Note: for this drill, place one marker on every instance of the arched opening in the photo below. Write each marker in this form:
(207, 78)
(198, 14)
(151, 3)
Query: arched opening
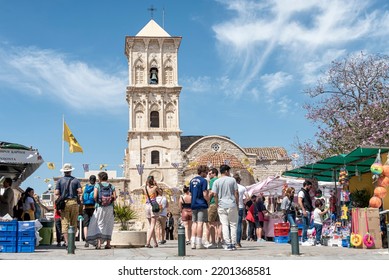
(154, 119)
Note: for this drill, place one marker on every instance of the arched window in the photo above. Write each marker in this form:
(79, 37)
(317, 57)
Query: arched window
(154, 119)
(154, 157)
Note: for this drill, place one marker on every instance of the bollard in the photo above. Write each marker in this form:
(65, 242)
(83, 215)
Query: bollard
(71, 237)
(294, 240)
(387, 233)
(181, 240)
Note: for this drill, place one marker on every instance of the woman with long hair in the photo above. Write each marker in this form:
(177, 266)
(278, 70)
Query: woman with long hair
(289, 207)
(185, 202)
(150, 192)
(28, 205)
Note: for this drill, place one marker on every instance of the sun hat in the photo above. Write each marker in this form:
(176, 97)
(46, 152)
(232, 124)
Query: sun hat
(67, 167)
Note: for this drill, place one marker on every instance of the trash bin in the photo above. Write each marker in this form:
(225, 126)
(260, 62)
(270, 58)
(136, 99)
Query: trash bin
(46, 232)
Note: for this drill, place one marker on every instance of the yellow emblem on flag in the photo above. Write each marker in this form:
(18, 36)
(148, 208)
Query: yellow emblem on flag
(51, 165)
(74, 146)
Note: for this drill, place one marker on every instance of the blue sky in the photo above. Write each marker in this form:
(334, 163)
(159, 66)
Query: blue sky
(243, 66)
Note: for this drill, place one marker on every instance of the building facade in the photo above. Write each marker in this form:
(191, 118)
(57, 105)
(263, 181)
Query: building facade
(156, 145)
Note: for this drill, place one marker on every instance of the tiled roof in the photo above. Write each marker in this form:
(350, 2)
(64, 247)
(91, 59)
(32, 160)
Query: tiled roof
(269, 153)
(215, 159)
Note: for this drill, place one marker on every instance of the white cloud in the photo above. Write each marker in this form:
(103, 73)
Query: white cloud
(48, 73)
(273, 82)
(299, 37)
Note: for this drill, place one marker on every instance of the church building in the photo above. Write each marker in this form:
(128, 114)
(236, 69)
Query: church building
(156, 144)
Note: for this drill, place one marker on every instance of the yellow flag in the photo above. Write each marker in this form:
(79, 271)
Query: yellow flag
(51, 165)
(74, 146)
(102, 166)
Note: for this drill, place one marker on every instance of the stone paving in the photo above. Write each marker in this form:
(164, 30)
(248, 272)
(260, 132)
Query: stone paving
(169, 251)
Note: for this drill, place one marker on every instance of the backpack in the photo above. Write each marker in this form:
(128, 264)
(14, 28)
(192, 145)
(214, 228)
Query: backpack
(88, 195)
(105, 195)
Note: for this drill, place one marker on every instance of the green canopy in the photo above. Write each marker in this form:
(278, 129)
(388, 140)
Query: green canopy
(356, 162)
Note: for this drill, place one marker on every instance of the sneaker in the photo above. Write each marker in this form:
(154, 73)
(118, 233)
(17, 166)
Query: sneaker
(233, 247)
(261, 240)
(187, 242)
(212, 246)
(59, 245)
(306, 243)
(224, 245)
(86, 245)
(220, 244)
(193, 246)
(228, 247)
(318, 245)
(200, 246)
(239, 245)
(163, 241)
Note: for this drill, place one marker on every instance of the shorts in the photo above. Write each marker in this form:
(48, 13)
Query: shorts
(149, 213)
(200, 215)
(186, 214)
(87, 214)
(213, 215)
(258, 224)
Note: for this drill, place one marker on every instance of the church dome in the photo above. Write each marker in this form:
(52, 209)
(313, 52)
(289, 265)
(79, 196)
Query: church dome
(215, 159)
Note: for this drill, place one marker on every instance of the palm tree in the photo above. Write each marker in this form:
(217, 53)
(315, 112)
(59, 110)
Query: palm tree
(124, 213)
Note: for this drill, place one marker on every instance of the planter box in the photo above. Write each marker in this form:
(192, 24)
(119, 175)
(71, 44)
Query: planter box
(128, 239)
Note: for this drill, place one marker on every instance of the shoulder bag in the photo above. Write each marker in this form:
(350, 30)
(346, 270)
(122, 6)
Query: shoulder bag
(60, 201)
(154, 204)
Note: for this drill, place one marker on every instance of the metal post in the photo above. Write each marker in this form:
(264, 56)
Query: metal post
(181, 240)
(294, 240)
(387, 234)
(71, 237)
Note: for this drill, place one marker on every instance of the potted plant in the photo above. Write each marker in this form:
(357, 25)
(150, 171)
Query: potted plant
(123, 214)
(360, 198)
(124, 237)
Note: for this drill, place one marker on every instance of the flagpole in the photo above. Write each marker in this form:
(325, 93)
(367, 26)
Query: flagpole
(63, 142)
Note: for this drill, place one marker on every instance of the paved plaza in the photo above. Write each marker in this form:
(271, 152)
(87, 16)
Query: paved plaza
(169, 251)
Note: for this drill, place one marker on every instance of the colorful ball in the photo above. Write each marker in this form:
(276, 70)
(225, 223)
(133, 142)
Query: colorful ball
(380, 192)
(375, 202)
(376, 168)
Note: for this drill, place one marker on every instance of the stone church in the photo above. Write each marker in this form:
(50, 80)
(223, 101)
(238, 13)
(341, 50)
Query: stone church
(156, 145)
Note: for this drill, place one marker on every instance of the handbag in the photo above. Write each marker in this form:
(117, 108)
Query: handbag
(154, 204)
(60, 201)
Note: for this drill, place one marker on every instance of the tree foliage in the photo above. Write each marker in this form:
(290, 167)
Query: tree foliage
(350, 107)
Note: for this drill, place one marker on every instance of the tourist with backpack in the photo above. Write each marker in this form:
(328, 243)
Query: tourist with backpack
(101, 223)
(88, 204)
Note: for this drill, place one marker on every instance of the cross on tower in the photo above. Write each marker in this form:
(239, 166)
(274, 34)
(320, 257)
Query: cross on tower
(152, 10)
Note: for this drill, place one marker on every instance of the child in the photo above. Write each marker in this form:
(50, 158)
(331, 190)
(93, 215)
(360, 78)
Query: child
(318, 220)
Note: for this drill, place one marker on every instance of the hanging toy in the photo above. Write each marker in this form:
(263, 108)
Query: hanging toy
(343, 175)
(376, 168)
(355, 238)
(344, 210)
(368, 239)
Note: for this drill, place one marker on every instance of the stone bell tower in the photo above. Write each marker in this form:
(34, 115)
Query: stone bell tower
(154, 146)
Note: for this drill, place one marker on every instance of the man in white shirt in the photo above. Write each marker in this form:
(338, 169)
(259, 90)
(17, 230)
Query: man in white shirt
(225, 190)
(242, 199)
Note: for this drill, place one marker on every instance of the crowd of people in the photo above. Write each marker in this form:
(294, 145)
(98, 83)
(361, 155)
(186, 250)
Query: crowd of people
(216, 208)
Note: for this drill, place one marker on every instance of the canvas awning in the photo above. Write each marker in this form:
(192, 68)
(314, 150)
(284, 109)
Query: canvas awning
(274, 186)
(356, 162)
(18, 162)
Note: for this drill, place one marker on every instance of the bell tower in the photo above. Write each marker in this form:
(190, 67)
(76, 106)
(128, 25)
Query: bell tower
(154, 146)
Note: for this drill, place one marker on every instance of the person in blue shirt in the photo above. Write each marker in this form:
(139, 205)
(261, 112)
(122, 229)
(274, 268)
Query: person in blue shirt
(199, 189)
